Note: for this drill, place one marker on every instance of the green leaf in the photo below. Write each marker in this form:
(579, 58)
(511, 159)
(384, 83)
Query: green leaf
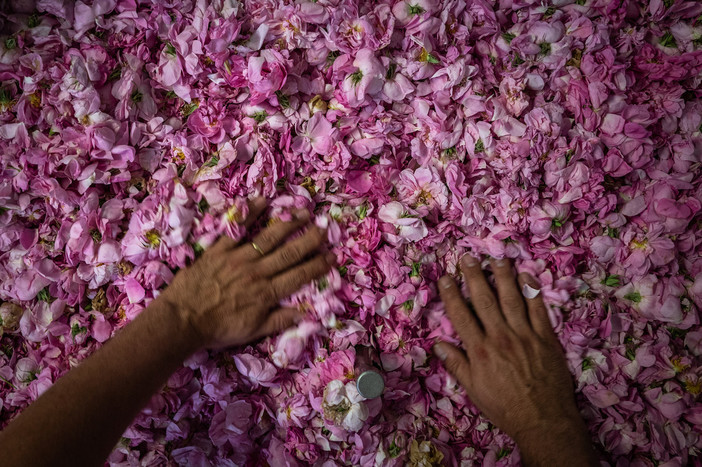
(614, 233)
(668, 40)
(137, 96)
(408, 305)
(96, 235)
(545, 48)
(115, 74)
(260, 117)
(283, 100)
(214, 160)
(322, 284)
(668, 3)
(433, 59)
(44, 295)
(611, 281)
(170, 49)
(203, 205)
(587, 364)
(633, 297)
(580, 2)
(676, 333)
(416, 270)
(517, 60)
(77, 329)
(569, 155)
(479, 146)
(343, 270)
(415, 10)
(10, 43)
(374, 159)
(181, 170)
(332, 56)
(556, 223)
(187, 109)
(549, 12)
(630, 354)
(392, 70)
(363, 211)
(33, 21)
(394, 450)
(198, 250)
(356, 77)
(508, 36)
(504, 452)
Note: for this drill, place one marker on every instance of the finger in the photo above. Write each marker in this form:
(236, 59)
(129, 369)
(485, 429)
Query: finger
(510, 297)
(538, 313)
(271, 237)
(455, 361)
(291, 253)
(256, 207)
(279, 320)
(463, 320)
(291, 280)
(481, 296)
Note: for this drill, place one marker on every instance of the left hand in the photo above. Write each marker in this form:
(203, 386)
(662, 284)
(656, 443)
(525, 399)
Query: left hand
(227, 295)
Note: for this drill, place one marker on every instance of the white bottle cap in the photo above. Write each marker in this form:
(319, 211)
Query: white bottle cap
(370, 384)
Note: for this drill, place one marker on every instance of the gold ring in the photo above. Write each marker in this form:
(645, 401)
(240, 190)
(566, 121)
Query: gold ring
(258, 248)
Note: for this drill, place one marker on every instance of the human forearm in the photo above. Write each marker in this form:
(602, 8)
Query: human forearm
(80, 418)
(565, 443)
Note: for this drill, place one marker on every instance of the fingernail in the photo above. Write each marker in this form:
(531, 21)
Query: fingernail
(301, 214)
(502, 262)
(469, 260)
(445, 282)
(440, 352)
(530, 292)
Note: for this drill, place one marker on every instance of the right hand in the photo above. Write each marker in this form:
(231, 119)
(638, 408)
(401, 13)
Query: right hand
(229, 296)
(513, 367)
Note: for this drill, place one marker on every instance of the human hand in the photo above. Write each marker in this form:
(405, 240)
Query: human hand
(513, 368)
(227, 295)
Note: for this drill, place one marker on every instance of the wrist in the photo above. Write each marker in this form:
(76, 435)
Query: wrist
(563, 441)
(177, 322)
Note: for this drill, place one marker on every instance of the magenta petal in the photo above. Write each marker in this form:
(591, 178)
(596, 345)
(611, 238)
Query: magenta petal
(135, 292)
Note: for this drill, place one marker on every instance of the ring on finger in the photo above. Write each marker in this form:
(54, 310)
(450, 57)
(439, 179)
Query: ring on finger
(258, 249)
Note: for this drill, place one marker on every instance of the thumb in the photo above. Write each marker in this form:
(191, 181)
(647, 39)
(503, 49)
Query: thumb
(455, 361)
(280, 320)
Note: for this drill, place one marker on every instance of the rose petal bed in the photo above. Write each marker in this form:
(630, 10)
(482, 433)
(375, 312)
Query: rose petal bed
(564, 135)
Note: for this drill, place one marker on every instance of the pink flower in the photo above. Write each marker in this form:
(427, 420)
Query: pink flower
(422, 189)
(344, 406)
(266, 74)
(406, 223)
(514, 97)
(367, 79)
(232, 420)
(258, 371)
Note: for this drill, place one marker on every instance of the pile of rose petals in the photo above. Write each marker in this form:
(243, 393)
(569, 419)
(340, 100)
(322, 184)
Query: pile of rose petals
(565, 135)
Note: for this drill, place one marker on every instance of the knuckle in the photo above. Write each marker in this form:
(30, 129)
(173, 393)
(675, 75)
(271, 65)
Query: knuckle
(289, 255)
(453, 365)
(483, 300)
(512, 302)
(462, 321)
